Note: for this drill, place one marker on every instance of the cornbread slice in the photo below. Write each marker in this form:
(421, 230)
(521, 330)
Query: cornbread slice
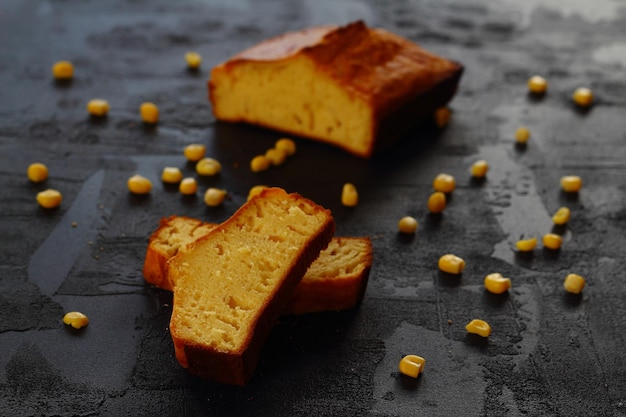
(173, 234)
(351, 86)
(232, 284)
(335, 281)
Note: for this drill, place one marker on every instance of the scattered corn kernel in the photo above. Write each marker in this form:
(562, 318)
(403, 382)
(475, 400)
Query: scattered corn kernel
(407, 225)
(276, 156)
(537, 84)
(552, 241)
(437, 202)
(412, 365)
(171, 175)
(444, 183)
(479, 169)
(75, 319)
(98, 107)
(442, 117)
(496, 283)
(213, 197)
(256, 190)
(582, 96)
(194, 152)
(208, 166)
(526, 245)
(574, 283)
(139, 185)
(571, 183)
(522, 135)
(451, 264)
(287, 145)
(561, 216)
(349, 195)
(149, 112)
(193, 60)
(63, 70)
(49, 198)
(260, 163)
(37, 172)
(479, 327)
(188, 186)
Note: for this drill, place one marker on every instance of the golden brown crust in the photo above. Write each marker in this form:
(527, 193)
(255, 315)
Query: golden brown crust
(237, 365)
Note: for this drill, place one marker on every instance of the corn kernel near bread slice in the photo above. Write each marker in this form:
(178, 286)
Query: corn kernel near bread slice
(233, 284)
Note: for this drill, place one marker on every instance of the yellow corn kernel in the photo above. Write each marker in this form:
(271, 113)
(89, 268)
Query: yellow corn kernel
(139, 185)
(571, 183)
(193, 60)
(437, 202)
(574, 283)
(194, 152)
(349, 195)
(451, 264)
(171, 175)
(188, 186)
(256, 190)
(37, 172)
(522, 135)
(526, 245)
(479, 169)
(407, 225)
(537, 84)
(260, 163)
(276, 156)
(444, 183)
(287, 145)
(208, 166)
(479, 327)
(75, 319)
(442, 117)
(149, 112)
(49, 198)
(496, 283)
(552, 241)
(213, 197)
(63, 70)
(561, 216)
(98, 107)
(582, 96)
(412, 365)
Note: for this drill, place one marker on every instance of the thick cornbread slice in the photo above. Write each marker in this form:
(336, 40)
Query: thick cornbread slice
(232, 284)
(335, 281)
(352, 86)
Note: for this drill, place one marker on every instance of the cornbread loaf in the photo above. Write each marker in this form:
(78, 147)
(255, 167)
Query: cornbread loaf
(233, 283)
(335, 281)
(351, 86)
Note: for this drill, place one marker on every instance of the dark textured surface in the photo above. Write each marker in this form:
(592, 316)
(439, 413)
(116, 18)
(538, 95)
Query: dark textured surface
(549, 354)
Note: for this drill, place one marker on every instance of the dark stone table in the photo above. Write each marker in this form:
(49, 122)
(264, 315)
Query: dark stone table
(549, 354)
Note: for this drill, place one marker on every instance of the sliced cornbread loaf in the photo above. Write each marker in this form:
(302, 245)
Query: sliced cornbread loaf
(173, 234)
(335, 281)
(352, 86)
(233, 283)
